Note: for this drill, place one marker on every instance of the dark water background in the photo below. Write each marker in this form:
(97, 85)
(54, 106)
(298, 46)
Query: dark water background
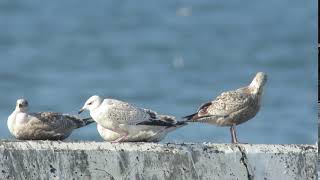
(164, 55)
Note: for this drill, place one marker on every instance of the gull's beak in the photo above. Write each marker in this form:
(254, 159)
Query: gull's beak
(80, 111)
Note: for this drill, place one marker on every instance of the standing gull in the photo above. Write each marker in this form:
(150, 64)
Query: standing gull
(42, 125)
(125, 122)
(232, 107)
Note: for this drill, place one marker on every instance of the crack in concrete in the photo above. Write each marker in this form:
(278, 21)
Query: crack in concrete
(110, 175)
(190, 155)
(193, 164)
(245, 162)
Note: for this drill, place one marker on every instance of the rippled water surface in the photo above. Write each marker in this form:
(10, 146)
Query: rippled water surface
(164, 55)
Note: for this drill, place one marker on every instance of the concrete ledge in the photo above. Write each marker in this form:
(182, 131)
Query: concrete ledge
(102, 160)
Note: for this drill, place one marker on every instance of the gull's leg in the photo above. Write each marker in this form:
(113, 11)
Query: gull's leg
(123, 136)
(234, 139)
(119, 139)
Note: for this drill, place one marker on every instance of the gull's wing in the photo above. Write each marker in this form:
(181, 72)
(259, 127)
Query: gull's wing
(52, 121)
(163, 120)
(125, 113)
(230, 101)
(46, 126)
(225, 104)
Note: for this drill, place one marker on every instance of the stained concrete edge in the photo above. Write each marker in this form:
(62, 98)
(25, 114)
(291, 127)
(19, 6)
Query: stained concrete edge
(96, 160)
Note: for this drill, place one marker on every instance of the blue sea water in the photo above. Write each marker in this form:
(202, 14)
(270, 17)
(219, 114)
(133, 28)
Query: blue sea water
(169, 56)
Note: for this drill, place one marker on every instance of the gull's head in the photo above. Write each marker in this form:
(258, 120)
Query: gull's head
(259, 81)
(92, 103)
(22, 105)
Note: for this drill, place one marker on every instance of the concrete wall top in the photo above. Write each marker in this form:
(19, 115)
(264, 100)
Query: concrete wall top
(103, 160)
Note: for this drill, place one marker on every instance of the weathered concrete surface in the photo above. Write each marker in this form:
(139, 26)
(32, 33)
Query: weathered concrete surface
(102, 160)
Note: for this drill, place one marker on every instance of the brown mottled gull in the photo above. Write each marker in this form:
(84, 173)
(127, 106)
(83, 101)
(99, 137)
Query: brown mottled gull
(131, 123)
(42, 125)
(232, 107)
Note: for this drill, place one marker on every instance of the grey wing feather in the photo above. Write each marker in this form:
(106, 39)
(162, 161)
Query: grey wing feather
(126, 113)
(129, 114)
(160, 120)
(172, 120)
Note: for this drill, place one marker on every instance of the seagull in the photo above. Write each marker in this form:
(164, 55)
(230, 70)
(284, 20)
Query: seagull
(42, 125)
(232, 107)
(128, 122)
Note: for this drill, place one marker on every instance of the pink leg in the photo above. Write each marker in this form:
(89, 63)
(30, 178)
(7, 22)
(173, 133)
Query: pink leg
(234, 139)
(122, 137)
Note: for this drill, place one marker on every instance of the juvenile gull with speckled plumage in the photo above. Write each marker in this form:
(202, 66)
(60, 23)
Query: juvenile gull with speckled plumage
(42, 125)
(232, 107)
(125, 122)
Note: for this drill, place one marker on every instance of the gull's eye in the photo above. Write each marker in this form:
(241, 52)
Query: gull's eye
(20, 106)
(89, 103)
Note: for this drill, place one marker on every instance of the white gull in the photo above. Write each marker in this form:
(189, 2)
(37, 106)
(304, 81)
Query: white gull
(130, 123)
